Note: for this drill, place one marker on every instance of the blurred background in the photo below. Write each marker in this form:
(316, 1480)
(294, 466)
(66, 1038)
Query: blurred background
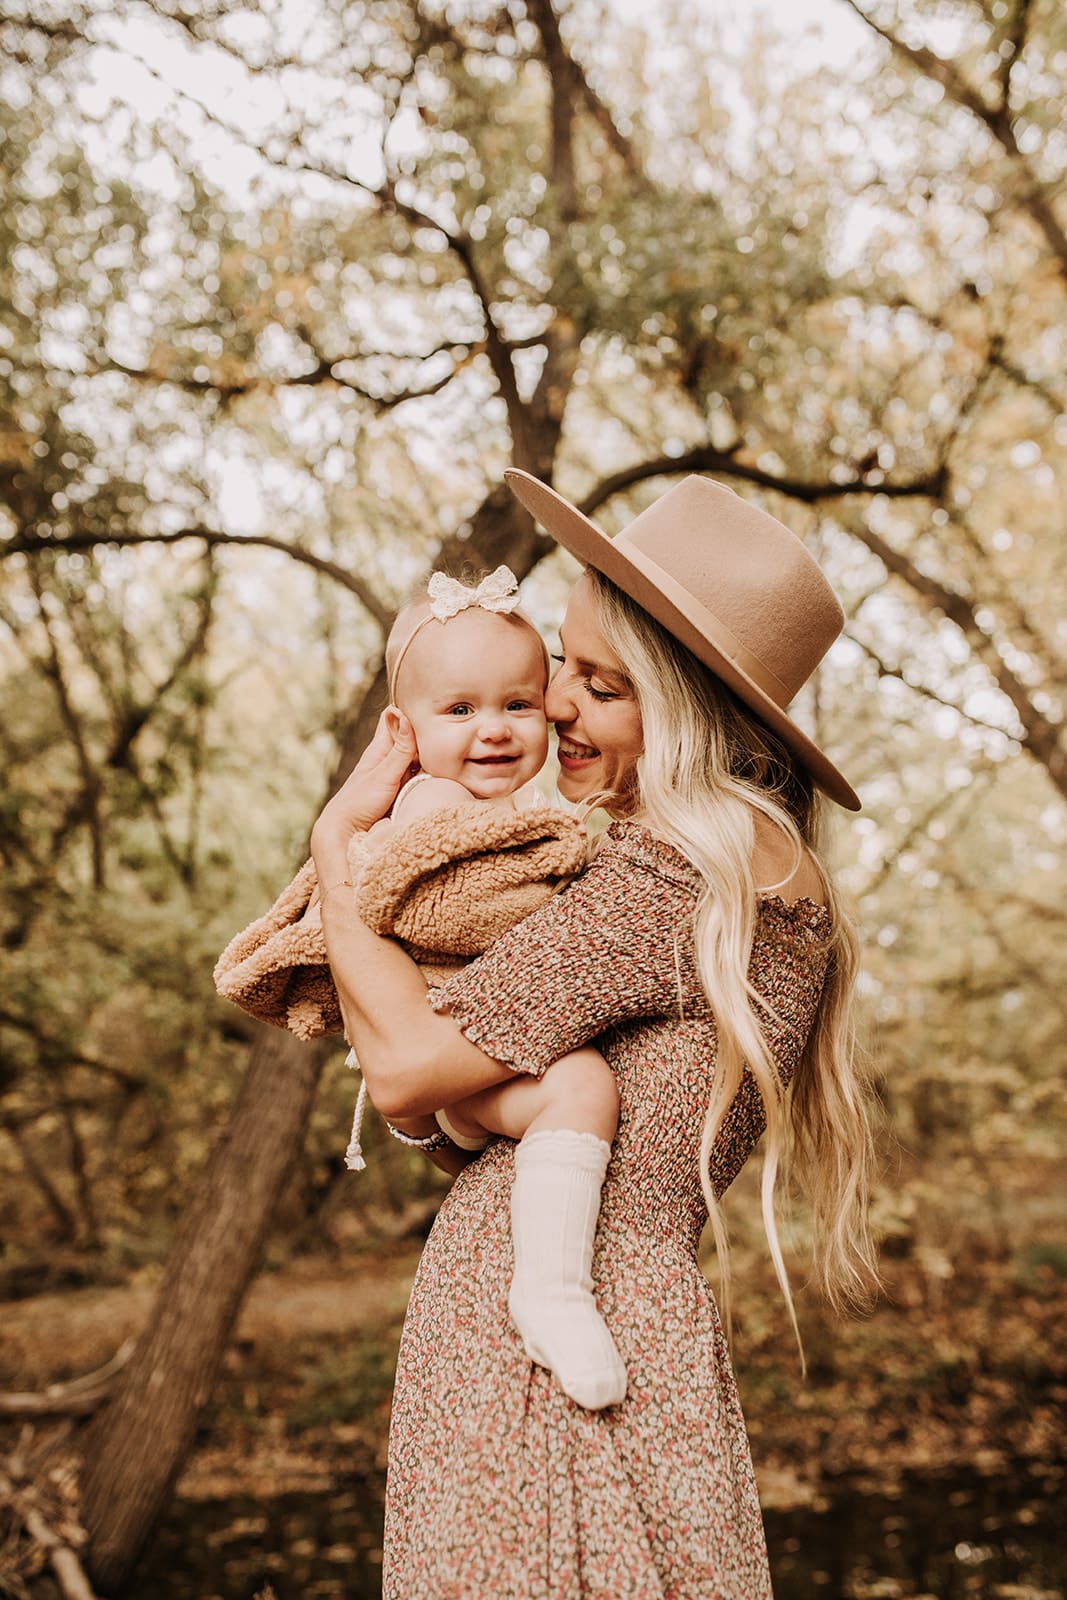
(284, 288)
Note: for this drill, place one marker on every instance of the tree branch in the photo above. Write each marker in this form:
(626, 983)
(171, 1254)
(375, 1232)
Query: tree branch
(1041, 736)
(1011, 610)
(995, 356)
(133, 716)
(524, 453)
(922, 690)
(1015, 36)
(324, 373)
(55, 32)
(563, 82)
(570, 86)
(386, 198)
(1031, 193)
(705, 458)
(990, 909)
(85, 805)
(917, 829)
(77, 1397)
(88, 539)
(194, 27)
(1056, 403)
(68, 1227)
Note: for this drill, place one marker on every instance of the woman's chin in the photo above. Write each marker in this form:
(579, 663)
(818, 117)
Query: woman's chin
(575, 786)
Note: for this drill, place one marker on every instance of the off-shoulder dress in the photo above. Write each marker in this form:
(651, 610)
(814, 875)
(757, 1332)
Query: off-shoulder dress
(500, 1487)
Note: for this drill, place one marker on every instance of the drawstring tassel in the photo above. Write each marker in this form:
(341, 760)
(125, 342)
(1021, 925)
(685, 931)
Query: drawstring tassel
(354, 1154)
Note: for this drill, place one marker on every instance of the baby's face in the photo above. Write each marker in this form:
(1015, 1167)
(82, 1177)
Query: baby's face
(473, 689)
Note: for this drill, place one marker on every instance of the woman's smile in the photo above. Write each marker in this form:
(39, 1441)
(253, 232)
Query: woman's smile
(572, 755)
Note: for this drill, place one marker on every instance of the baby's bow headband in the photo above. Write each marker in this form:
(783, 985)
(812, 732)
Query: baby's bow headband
(498, 592)
(448, 597)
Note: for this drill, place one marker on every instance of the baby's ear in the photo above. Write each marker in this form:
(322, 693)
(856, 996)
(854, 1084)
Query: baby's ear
(400, 729)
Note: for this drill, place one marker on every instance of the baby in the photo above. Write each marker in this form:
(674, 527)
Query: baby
(468, 672)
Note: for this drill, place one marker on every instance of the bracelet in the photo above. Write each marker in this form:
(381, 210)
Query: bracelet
(432, 1141)
(344, 884)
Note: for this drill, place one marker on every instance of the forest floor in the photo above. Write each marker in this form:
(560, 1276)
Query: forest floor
(922, 1457)
(961, 1365)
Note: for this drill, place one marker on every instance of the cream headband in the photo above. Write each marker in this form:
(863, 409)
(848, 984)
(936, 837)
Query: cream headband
(447, 597)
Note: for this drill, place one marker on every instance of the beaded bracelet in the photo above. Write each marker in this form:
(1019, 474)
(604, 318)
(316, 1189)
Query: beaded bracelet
(431, 1141)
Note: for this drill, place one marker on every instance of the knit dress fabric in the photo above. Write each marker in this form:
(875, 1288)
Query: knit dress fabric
(500, 1487)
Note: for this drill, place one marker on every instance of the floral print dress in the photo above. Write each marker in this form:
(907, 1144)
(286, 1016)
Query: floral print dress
(500, 1487)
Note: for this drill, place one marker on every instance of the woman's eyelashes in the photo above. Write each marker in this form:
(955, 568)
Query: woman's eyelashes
(588, 685)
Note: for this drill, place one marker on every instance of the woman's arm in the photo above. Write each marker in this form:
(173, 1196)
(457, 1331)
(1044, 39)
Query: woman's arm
(412, 1059)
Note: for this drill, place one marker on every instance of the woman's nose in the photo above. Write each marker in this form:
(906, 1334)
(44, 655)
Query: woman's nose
(559, 699)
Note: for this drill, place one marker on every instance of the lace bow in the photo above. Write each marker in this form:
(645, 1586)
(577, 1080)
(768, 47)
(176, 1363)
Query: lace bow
(448, 597)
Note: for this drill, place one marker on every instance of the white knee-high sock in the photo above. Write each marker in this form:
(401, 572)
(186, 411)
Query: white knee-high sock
(554, 1206)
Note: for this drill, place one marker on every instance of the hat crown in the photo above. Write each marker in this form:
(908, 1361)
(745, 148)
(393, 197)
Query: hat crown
(747, 573)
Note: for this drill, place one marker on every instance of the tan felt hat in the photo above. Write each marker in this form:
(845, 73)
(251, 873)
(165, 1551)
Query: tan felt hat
(729, 581)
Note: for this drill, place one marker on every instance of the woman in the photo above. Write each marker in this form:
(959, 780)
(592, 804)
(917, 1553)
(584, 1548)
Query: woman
(704, 953)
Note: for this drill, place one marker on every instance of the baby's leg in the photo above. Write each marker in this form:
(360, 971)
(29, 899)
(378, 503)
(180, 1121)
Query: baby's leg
(564, 1122)
(578, 1092)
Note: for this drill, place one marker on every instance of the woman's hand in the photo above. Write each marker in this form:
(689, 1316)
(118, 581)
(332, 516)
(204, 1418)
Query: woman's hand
(370, 788)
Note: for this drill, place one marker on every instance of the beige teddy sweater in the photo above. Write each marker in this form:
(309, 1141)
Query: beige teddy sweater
(446, 885)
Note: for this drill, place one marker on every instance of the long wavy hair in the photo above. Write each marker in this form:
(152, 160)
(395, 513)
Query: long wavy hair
(710, 767)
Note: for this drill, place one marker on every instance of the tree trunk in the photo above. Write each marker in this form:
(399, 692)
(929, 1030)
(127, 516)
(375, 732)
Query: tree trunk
(137, 1446)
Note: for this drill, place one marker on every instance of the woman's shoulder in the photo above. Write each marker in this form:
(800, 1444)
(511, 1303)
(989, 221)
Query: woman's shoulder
(792, 896)
(776, 868)
(802, 921)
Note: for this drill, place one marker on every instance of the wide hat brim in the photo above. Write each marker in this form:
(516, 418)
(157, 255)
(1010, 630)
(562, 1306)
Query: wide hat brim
(680, 613)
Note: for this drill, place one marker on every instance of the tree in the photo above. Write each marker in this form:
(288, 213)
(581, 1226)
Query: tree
(514, 235)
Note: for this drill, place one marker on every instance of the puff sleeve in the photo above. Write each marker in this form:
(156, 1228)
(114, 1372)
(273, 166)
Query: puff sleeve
(601, 954)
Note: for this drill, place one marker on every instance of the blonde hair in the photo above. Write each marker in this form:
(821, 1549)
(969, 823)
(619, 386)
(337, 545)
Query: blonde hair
(708, 769)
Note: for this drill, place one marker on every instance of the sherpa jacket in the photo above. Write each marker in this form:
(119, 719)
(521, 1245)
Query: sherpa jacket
(446, 885)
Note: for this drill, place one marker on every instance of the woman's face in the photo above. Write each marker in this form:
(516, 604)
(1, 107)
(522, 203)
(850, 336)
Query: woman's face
(592, 703)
